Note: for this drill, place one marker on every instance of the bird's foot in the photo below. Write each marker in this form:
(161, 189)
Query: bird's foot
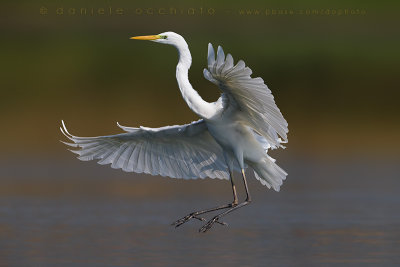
(210, 223)
(193, 215)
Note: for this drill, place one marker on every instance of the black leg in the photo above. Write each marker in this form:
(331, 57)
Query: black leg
(211, 222)
(195, 215)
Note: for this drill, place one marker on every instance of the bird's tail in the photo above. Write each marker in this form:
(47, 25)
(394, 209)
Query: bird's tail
(269, 173)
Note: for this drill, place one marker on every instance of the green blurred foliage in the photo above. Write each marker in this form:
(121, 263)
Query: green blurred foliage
(333, 77)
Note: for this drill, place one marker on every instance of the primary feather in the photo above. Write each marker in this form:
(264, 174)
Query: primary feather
(181, 151)
(249, 97)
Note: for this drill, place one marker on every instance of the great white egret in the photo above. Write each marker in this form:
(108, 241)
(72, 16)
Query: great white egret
(234, 132)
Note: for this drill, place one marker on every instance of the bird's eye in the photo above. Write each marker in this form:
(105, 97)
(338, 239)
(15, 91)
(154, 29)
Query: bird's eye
(163, 37)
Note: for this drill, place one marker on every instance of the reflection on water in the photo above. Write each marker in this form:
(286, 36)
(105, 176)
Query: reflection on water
(312, 222)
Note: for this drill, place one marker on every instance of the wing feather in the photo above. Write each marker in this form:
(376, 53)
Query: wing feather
(127, 157)
(249, 97)
(180, 151)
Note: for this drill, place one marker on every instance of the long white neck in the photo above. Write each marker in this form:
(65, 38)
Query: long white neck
(199, 106)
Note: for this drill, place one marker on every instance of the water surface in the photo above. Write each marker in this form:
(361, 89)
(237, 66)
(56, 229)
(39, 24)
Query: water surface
(326, 214)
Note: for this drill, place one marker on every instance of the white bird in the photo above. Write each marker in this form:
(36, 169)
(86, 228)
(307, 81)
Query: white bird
(234, 132)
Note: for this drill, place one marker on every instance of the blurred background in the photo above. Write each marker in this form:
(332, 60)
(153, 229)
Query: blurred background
(332, 67)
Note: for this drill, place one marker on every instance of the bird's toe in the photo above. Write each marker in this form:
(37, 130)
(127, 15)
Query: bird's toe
(210, 223)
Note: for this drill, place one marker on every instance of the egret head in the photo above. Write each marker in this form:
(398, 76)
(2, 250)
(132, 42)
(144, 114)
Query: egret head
(170, 38)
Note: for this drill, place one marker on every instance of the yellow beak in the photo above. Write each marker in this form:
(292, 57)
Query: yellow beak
(147, 37)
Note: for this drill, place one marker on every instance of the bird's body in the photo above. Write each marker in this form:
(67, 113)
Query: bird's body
(236, 139)
(235, 131)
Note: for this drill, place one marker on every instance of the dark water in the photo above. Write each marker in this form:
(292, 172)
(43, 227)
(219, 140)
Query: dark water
(327, 214)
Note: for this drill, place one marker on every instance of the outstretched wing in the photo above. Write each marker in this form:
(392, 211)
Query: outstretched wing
(249, 97)
(181, 151)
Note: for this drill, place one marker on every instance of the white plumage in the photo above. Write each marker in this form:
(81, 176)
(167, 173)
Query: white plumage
(235, 131)
(180, 151)
(249, 95)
